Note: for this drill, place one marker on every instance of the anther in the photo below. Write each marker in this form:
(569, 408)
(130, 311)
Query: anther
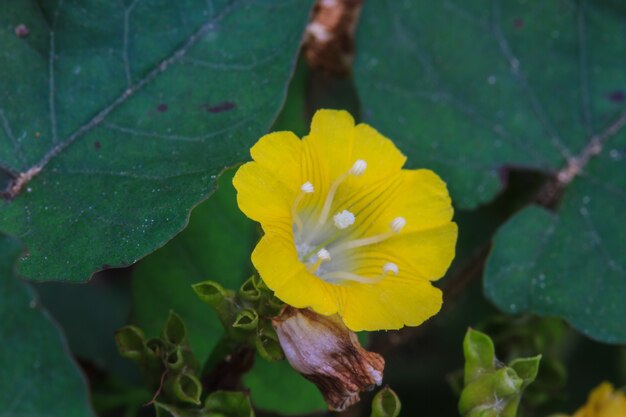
(390, 267)
(398, 224)
(307, 188)
(344, 219)
(358, 168)
(323, 254)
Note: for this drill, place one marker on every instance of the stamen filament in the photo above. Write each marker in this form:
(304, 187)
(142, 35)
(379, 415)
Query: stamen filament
(363, 242)
(396, 226)
(306, 188)
(335, 276)
(329, 198)
(357, 169)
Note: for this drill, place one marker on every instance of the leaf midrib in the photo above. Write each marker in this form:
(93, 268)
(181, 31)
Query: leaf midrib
(21, 179)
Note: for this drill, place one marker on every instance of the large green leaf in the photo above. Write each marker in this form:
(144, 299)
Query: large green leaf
(118, 116)
(216, 245)
(468, 88)
(37, 376)
(276, 386)
(96, 310)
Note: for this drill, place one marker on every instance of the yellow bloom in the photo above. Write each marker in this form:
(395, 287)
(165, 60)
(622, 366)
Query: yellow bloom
(347, 230)
(604, 401)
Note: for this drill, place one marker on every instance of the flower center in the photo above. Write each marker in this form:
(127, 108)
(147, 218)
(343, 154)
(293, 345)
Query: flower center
(324, 245)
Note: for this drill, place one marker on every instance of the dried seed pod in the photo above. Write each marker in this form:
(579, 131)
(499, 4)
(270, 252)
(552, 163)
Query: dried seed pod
(328, 354)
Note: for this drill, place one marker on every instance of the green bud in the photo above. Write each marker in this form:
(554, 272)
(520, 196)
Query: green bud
(210, 292)
(156, 347)
(175, 359)
(260, 284)
(247, 319)
(492, 390)
(186, 388)
(174, 331)
(130, 342)
(480, 354)
(489, 390)
(267, 343)
(231, 404)
(386, 404)
(249, 291)
(222, 301)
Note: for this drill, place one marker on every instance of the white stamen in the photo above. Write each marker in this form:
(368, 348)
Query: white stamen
(344, 219)
(307, 187)
(358, 168)
(398, 224)
(390, 267)
(323, 255)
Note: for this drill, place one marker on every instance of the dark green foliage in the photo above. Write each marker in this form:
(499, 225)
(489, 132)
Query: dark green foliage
(130, 110)
(38, 376)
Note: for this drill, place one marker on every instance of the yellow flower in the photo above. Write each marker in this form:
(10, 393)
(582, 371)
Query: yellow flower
(347, 230)
(604, 401)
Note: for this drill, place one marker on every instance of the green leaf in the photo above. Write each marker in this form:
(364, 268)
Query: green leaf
(216, 245)
(466, 88)
(526, 368)
(38, 376)
(568, 264)
(275, 386)
(116, 117)
(97, 309)
(187, 388)
(536, 85)
(386, 404)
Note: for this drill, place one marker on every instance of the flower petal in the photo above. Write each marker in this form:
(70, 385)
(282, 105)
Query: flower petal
(426, 254)
(280, 153)
(390, 304)
(422, 200)
(276, 260)
(382, 157)
(419, 196)
(330, 143)
(261, 196)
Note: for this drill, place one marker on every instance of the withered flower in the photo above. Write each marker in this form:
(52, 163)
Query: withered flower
(328, 354)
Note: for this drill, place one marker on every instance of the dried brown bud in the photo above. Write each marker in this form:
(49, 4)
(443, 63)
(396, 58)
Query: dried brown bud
(329, 39)
(328, 354)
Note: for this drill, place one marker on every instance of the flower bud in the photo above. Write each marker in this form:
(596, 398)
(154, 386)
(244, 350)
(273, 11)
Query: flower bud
(328, 354)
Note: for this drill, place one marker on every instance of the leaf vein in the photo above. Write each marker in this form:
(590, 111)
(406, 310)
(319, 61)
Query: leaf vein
(522, 79)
